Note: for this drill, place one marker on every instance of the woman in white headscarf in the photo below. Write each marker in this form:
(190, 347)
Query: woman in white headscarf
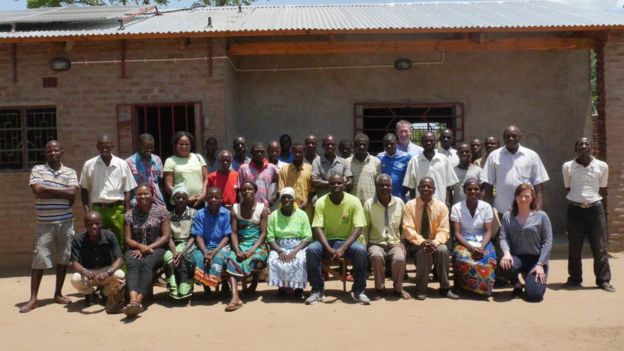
(288, 234)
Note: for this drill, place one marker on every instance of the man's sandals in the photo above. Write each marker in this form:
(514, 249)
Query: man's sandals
(231, 307)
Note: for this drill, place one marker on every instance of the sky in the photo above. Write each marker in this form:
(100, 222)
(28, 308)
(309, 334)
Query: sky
(610, 5)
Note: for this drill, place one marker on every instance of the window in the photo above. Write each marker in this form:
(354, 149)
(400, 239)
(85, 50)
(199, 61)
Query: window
(162, 120)
(24, 133)
(375, 120)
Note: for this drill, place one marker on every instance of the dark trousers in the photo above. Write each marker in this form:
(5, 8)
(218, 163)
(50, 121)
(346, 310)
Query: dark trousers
(523, 264)
(356, 254)
(587, 222)
(141, 272)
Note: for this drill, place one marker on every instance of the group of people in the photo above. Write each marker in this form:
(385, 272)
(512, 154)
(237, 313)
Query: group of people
(226, 218)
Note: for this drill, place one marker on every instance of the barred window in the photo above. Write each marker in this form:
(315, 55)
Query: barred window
(24, 133)
(377, 119)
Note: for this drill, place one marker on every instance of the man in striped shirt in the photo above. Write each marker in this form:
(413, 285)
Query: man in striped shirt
(54, 186)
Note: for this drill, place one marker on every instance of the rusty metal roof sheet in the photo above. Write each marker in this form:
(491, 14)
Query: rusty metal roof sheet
(427, 16)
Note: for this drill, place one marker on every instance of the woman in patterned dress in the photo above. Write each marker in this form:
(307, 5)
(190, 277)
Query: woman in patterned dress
(248, 254)
(474, 255)
(288, 235)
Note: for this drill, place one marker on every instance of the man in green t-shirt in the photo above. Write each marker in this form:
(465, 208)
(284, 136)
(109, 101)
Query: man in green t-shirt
(338, 222)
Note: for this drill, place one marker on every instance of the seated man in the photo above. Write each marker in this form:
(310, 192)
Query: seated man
(426, 226)
(383, 215)
(338, 222)
(96, 258)
(211, 229)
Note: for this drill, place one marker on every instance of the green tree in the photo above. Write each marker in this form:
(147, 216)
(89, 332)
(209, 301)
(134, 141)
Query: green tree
(31, 4)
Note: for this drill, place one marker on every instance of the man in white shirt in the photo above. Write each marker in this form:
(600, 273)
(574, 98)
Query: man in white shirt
(106, 181)
(509, 166)
(403, 132)
(446, 139)
(430, 164)
(585, 179)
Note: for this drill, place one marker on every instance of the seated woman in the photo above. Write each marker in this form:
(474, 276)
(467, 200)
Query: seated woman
(248, 254)
(178, 260)
(146, 233)
(474, 255)
(526, 241)
(288, 234)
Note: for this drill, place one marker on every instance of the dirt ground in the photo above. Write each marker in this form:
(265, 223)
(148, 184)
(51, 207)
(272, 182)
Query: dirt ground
(582, 319)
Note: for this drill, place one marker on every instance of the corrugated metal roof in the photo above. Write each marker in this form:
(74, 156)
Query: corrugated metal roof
(434, 16)
(64, 14)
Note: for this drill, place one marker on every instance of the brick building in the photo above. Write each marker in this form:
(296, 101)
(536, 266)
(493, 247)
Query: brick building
(474, 67)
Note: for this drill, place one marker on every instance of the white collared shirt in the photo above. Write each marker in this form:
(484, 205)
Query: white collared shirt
(106, 184)
(472, 228)
(439, 169)
(585, 182)
(505, 171)
(411, 149)
(451, 154)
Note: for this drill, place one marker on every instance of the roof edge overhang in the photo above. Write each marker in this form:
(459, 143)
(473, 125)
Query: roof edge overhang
(301, 32)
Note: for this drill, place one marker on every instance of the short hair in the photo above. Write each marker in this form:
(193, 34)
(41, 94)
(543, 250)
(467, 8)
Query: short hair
(248, 182)
(257, 144)
(402, 122)
(361, 136)
(146, 137)
(389, 137)
(382, 175)
(471, 180)
(224, 151)
(179, 135)
(211, 139)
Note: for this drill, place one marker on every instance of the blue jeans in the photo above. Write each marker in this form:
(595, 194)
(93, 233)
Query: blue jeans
(523, 264)
(356, 253)
(588, 222)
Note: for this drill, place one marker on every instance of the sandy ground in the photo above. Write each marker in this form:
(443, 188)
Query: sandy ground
(582, 319)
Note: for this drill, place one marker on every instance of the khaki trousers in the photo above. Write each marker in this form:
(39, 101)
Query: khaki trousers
(88, 286)
(378, 254)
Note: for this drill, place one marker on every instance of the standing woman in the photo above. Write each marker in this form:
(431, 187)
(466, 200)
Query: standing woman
(288, 234)
(248, 253)
(474, 255)
(526, 241)
(187, 168)
(146, 233)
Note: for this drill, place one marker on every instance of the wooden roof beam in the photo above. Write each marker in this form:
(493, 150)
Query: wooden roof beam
(368, 47)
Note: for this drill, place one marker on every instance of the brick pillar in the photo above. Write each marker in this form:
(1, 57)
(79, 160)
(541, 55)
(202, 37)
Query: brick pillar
(614, 118)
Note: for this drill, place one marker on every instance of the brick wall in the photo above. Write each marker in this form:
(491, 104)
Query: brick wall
(86, 100)
(614, 113)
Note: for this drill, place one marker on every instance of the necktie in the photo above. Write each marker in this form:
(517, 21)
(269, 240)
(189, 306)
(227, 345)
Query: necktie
(424, 223)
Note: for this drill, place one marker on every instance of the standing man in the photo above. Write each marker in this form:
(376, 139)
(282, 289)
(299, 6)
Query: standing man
(298, 175)
(147, 167)
(274, 151)
(464, 170)
(226, 179)
(345, 148)
(105, 182)
(426, 226)
(96, 259)
(431, 164)
(394, 163)
(240, 153)
(446, 140)
(310, 149)
(510, 166)
(384, 214)
(476, 149)
(285, 143)
(403, 131)
(338, 222)
(328, 164)
(491, 144)
(262, 173)
(585, 179)
(54, 187)
(365, 168)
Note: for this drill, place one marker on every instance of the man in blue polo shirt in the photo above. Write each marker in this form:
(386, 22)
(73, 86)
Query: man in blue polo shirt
(394, 163)
(211, 229)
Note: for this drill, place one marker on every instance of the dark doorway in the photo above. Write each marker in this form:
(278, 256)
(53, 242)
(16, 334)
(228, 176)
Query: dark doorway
(162, 121)
(375, 120)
